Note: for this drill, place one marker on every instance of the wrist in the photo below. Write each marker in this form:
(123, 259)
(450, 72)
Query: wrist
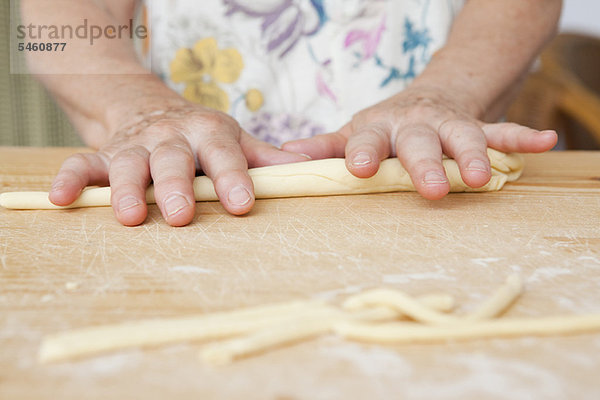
(440, 96)
(447, 78)
(137, 98)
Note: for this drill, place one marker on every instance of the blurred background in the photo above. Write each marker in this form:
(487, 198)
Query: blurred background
(562, 92)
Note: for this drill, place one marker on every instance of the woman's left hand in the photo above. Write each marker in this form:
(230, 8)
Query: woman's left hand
(419, 125)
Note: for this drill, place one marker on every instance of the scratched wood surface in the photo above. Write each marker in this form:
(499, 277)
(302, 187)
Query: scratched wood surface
(68, 269)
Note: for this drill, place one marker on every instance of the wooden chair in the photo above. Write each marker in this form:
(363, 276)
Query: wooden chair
(564, 93)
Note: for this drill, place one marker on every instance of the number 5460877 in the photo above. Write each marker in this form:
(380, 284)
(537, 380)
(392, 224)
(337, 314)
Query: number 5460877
(50, 46)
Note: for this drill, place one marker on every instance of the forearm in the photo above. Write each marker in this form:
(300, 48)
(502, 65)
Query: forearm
(83, 78)
(491, 46)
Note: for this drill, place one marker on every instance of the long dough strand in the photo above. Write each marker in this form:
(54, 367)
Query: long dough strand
(405, 332)
(144, 333)
(309, 178)
(296, 330)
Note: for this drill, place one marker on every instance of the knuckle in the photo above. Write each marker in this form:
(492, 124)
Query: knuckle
(172, 159)
(337, 140)
(413, 136)
(170, 150)
(122, 189)
(217, 122)
(455, 132)
(451, 132)
(169, 181)
(159, 131)
(220, 149)
(77, 161)
(425, 163)
(379, 131)
(131, 153)
(214, 118)
(226, 177)
(470, 154)
(76, 168)
(423, 110)
(160, 125)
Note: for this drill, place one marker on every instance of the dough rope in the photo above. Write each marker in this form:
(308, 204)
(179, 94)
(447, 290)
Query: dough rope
(309, 178)
(406, 332)
(300, 329)
(154, 332)
(399, 301)
(500, 300)
(371, 317)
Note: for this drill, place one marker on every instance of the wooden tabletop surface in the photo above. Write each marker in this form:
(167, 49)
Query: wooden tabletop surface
(61, 270)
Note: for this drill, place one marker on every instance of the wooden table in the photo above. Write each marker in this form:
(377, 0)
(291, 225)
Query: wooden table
(67, 269)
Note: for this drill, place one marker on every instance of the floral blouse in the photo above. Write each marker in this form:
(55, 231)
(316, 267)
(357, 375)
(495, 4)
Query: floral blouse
(289, 69)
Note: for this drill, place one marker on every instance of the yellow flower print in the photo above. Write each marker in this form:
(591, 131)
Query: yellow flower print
(209, 94)
(202, 67)
(254, 100)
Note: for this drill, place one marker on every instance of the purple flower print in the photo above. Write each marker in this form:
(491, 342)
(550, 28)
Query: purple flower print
(369, 38)
(323, 89)
(281, 127)
(284, 22)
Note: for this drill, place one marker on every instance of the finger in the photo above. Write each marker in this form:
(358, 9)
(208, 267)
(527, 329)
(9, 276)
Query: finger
(419, 149)
(222, 160)
(129, 177)
(173, 168)
(510, 137)
(259, 153)
(328, 145)
(77, 172)
(465, 142)
(365, 148)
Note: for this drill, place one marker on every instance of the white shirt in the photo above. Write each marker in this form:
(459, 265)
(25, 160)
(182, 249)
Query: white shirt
(287, 69)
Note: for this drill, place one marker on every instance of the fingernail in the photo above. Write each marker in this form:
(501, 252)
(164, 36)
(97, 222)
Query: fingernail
(433, 177)
(128, 202)
(477, 165)
(239, 196)
(57, 186)
(361, 159)
(175, 203)
(305, 155)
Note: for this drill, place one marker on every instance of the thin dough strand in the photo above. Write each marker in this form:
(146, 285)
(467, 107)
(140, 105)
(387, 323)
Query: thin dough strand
(500, 300)
(399, 301)
(396, 333)
(153, 332)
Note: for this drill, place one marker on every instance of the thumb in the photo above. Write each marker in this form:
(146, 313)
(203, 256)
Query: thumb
(327, 145)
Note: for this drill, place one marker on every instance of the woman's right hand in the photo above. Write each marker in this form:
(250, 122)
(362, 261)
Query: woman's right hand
(167, 147)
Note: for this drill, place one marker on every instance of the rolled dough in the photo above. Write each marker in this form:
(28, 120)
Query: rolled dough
(309, 178)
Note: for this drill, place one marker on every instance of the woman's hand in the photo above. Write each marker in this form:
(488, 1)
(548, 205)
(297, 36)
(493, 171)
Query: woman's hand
(418, 126)
(167, 147)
